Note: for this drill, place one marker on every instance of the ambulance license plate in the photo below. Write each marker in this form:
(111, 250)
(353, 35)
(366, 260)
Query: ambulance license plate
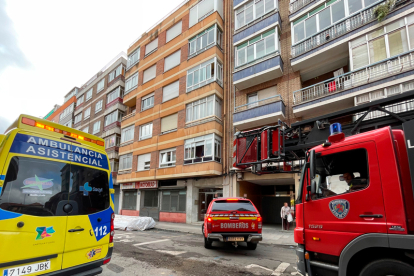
(27, 269)
(235, 239)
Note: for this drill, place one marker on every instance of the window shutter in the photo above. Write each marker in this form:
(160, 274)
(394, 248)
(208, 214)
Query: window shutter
(205, 7)
(193, 16)
(174, 31)
(170, 91)
(151, 46)
(267, 93)
(142, 159)
(169, 123)
(149, 74)
(172, 60)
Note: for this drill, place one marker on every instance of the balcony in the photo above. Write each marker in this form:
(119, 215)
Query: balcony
(259, 113)
(114, 105)
(337, 93)
(298, 4)
(271, 19)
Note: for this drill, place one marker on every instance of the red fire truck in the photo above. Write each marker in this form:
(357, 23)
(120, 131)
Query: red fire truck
(355, 204)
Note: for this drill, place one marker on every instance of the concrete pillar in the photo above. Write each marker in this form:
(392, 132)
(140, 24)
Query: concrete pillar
(121, 198)
(191, 203)
(226, 186)
(236, 187)
(138, 200)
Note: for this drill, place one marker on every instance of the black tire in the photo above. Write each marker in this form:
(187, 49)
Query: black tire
(207, 243)
(251, 245)
(387, 267)
(202, 229)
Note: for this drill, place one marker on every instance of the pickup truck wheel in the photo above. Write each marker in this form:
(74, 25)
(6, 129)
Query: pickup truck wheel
(207, 243)
(387, 267)
(202, 229)
(251, 245)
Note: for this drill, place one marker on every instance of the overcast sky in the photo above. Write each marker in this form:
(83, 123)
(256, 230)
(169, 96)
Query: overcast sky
(47, 47)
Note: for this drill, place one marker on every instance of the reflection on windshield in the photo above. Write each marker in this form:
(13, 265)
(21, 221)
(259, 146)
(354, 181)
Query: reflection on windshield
(223, 206)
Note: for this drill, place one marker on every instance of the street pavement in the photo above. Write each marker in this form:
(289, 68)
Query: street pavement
(160, 252)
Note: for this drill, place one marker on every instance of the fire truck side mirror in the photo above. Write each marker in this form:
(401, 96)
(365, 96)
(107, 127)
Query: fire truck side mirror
(312, 164)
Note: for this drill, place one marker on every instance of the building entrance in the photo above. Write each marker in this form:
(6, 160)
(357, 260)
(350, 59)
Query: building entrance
(205, 196)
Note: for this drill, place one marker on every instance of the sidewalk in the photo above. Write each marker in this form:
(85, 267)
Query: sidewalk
(272, 234)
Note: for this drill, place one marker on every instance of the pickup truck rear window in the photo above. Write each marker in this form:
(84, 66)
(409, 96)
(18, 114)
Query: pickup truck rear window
(223, 205)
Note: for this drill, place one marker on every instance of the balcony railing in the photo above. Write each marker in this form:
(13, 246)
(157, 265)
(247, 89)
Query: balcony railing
(338, 29)
(298, 4)
(262, 102)
(371, 73)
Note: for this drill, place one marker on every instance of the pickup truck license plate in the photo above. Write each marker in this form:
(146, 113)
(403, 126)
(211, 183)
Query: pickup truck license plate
(27, 269)
(235, 239)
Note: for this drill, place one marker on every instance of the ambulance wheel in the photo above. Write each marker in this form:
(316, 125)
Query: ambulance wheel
(207, 243)
(387, 267)
(251, 245)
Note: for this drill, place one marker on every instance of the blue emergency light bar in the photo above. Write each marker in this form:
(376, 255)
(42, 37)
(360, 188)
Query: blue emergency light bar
(335, 128)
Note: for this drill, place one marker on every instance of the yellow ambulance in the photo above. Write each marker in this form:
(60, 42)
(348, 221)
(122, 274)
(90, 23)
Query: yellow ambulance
(56, 200)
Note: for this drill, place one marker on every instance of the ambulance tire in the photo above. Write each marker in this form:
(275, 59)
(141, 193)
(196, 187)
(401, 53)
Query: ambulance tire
(387, 267)
(251, 245)
(207, 243)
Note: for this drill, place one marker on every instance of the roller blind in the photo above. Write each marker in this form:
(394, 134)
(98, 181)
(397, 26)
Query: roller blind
(141, 161)
(172, 60)
(149, 74)
(170, 91)
(169, 123)
(151, 46)
(174, 31)
(267, 93)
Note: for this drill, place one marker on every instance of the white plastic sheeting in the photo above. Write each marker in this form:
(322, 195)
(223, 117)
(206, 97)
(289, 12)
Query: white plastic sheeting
(130, 223)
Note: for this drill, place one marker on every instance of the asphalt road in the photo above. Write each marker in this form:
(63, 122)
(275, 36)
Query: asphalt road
(157, 252)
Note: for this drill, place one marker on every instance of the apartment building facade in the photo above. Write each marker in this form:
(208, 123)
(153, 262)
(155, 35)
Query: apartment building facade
(171, 152)
(64, 114)
(99, 109)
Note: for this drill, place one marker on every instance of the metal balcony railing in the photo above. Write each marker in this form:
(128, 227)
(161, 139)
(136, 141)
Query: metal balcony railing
(338, 29)
(298, 4)
(262, 102)
(374, 72)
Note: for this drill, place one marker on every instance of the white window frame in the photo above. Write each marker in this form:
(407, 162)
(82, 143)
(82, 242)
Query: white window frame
(114, 94)
(116, 72)
(190, 146)
(133, 58)
(115, 116)
(141, 137)
(116, 138)
(88, 94)
(86, 129)
(243, 8)
(195, 17)
(124, 161)
(96, 127)
(177, 26)
(80, 100)
(68, 110)
(173, 152)
(87, 113)
(204, 67)
(131, 83)
(202, 104)
(148, 98)
(100, 86)
(98, 106)
(151, 47)
(127, 132)
(195, 44)
(146, 162)
(78, 118)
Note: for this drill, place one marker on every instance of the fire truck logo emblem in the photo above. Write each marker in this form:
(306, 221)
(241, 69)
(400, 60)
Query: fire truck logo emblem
(339, 208)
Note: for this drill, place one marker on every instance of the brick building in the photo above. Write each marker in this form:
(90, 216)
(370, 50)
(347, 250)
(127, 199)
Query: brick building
(64, 114)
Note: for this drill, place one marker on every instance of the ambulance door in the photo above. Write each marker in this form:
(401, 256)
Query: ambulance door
(88, 227)
(32, 221)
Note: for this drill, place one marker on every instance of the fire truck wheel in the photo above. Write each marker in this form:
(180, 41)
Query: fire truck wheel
(387, 267)
(251, 245)
(207, 243)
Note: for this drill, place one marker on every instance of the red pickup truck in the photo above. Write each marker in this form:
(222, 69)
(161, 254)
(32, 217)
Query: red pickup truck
(232, 220)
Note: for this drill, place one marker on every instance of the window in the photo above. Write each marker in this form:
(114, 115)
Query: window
(145, 131)
(167, 158)
(169, 123)
(203, 108)
(131, 83)
(170, 91)
(253, 10)
(129, 200)
(150, 73)
(240, 205)
(257, 47)
(114, 165)
(96, 127)
(127, 134)
(252, 100)
(100, 86)
(125, 162)
(173, 201)
(80, 100)
(98, 106)
(200, 149)
(113, 117)
(86, 129)
(89, 94)
(204, 73)
(144, 162)
(150, 198)
(133, 58)
(115, 94)
(118, 71)
(205, 39)
(68, 110)
(68, 124)
(203, 9)
(172, 61)
(147, 102)
(78, 118)
(174, 31)
(70, 95)
(112, 141)
(87, 113)
(151, 47)
(342, 172)
(385, 42)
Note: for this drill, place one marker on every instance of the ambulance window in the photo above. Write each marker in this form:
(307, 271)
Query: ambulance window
(90, 189)
(341, 173)
(224, 205)
(34, 186)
